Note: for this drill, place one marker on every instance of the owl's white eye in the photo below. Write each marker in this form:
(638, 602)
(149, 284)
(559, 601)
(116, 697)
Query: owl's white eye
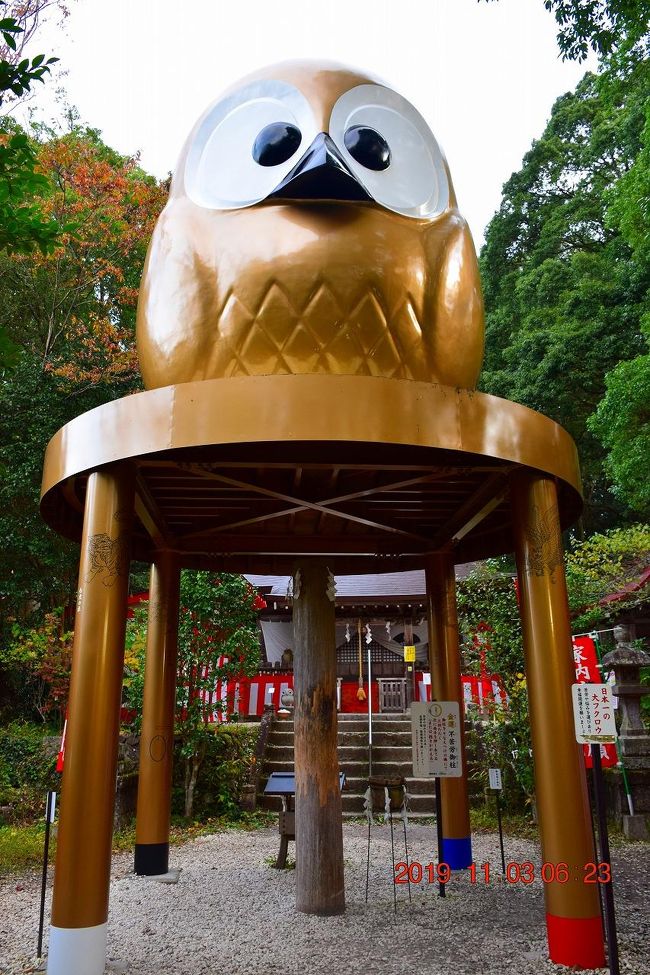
(246, 144)
(391, 151)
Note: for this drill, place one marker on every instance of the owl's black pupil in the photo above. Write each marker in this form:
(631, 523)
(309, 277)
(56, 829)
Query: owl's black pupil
(368, 147)
(276, 143)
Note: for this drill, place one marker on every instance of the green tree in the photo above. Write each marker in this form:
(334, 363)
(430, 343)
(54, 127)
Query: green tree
(73, 308)
(622, 423)
(488, 596)
(604, 564)
(23, 227)
(38, 570)
(217, 640)
(217, 620)
(565, 293)
(602, 25)
(70, 316)
(18, 24)
(622, 419)
(36, 662)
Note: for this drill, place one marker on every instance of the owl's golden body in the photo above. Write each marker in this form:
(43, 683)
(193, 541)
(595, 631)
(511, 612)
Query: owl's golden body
(347, 288)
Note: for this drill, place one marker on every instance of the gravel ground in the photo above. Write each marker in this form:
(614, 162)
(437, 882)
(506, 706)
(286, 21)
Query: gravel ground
(231, 912)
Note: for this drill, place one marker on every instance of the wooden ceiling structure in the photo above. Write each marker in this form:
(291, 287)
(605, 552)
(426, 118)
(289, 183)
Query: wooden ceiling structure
(227, 485)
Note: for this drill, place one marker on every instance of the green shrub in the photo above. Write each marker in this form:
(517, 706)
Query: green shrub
(27, 769)
(22, 846)
(224, 771)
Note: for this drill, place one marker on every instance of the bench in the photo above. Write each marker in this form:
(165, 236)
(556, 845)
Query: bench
(283, 784)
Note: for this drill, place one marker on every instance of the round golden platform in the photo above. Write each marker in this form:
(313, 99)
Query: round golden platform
(245, 474)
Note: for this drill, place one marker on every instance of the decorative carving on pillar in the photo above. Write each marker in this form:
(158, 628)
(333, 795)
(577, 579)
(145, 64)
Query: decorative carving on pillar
(544, 551)
(109, 558)
(295, 584)
(331, 587)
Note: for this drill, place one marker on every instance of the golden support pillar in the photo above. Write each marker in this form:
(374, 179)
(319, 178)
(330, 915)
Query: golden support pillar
(157, 734)
(573, 920)
(319, 833)
(446, 685)
(77, 943)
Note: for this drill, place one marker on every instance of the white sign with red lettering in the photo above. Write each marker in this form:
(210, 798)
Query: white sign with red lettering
(435, 727)
(593, 713)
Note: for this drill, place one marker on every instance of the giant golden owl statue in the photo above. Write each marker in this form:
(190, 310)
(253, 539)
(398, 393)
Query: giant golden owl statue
(312, 227)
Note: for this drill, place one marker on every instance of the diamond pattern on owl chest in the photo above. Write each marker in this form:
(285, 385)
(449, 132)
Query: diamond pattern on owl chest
(359, 333)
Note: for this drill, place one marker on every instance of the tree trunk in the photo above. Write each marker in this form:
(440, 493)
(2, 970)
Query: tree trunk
(193, 765)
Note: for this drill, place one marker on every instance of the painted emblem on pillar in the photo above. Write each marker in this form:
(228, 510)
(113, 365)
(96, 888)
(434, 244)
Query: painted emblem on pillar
(544, 538)
(312, 227)
(157, 748)
(108, 557)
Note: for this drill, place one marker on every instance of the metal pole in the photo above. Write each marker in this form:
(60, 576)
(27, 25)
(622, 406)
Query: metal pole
(441, 886)
(392, 852)
(601, 813)
(406, 846)
(368, 863)
(591, 785)
(48, 818)
(369, 711)
(503, 856)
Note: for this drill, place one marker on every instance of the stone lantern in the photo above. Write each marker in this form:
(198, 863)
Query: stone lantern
(626, 661)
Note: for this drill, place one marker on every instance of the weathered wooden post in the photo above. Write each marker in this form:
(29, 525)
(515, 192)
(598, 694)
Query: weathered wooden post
(319, 836)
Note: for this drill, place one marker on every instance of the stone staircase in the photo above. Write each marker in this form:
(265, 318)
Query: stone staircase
(391, 755)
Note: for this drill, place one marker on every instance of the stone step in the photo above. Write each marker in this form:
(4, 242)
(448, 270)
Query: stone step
(355, 723)
(404, 716)
(348, 753)
(378, 737)
(350, 738)
(387, 767)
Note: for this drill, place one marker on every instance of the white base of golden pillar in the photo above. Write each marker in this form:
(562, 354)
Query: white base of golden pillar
(77, 951)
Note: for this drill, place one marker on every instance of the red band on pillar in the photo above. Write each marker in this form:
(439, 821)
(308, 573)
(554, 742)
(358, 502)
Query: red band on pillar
(576, 941)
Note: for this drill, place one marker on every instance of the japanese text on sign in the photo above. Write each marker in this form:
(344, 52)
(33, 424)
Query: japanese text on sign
(409, 654)
(435, 728)
(495, 778)
(593, 713)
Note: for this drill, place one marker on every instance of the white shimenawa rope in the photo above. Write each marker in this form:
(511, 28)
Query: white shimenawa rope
(386, 804)
(405, 805)
(367, 804)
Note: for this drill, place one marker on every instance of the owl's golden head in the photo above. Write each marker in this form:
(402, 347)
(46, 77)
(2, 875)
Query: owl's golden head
(312, 227)
(309, 131)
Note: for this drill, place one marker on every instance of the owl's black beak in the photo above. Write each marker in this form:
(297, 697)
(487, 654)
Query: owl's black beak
(321, 174)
